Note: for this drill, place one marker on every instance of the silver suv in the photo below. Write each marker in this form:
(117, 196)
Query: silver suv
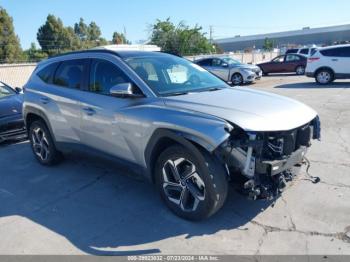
(185, 129)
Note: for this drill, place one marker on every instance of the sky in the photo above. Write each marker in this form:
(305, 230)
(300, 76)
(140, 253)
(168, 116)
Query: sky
(227, 17)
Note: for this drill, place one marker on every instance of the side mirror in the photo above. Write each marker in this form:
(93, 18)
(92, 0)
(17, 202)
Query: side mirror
(124, 90)
(224, 64)
(18, 90)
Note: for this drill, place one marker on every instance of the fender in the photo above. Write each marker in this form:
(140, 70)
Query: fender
(33, 110)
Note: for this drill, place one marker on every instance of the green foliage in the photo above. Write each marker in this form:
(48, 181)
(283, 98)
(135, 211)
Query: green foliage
(119, 39)
(268, 44)
(10, 49)
(33, 54)
(180, 39)
(55, 38)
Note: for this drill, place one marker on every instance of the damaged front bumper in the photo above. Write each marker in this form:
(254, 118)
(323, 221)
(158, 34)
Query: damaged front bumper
(266, 159)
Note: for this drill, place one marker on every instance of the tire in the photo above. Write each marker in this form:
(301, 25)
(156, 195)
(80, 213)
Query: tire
(236, 79)
(198, 196)
(42, 144)
(324, 76)
(300, 70)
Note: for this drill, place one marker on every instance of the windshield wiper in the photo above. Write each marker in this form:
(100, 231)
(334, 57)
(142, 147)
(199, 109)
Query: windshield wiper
(176, 94)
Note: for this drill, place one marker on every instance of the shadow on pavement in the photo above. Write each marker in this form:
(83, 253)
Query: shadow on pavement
(310, 85)
(98, 207)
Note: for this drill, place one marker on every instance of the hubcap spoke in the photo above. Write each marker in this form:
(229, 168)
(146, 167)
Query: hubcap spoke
(40, 144)
(182, 184)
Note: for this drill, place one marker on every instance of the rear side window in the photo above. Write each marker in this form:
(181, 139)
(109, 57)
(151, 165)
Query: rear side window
(70, 74)
(304, 51)
(104, 75)
(46, 74)
(290, 51)
(339, 52)
(292, 58)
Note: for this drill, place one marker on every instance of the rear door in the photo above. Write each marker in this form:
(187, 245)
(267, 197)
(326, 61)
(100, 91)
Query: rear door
(57, 95)
(292, 61)
(338, 59)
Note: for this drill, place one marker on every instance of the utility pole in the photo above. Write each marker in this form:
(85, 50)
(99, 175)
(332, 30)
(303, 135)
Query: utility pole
(211, 34)
(124, 34)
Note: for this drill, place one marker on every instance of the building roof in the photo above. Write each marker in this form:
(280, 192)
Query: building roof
(304, 31)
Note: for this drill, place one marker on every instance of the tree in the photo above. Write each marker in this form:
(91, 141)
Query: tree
(81, 30)
(10, 49)
(33, 54)
(180, 39)
(268, 44)
(94, 32)
(54, 38)
(119, 38)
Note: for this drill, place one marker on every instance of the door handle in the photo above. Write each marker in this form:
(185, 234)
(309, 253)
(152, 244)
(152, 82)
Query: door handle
(44, 100)
(89, 111)
(334, 59)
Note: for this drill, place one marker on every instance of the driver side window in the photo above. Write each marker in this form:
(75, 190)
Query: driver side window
(217, 62)
(104, 75)
(278, 59)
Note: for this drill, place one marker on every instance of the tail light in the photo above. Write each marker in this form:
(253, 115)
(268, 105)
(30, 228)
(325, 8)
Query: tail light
(312, 59)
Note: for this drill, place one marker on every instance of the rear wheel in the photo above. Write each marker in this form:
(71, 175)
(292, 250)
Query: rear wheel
(193, 187)
(300, 70)
(324, 76)
(42, 144)
(237, 79)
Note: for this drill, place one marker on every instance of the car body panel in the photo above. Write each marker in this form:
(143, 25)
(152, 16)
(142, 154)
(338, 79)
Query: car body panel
(11, 120)
(249, 72)
(249, 109)
(283, 66)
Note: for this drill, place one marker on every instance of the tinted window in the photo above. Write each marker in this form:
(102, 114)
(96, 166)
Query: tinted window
(46, 74)
(291, 51)
(292, 58)
(205, 62)
(104, 75)
(304, 51)
(340, 52)
(70, 74)
(217, 62)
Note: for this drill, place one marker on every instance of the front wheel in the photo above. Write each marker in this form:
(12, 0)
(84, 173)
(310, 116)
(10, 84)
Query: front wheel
(193, 186)
(237, 79)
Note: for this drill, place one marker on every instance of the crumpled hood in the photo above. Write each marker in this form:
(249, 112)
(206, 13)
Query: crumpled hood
(11, 105)
(249, 109)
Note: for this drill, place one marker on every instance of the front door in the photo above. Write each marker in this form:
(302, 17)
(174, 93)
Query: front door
(102, 113)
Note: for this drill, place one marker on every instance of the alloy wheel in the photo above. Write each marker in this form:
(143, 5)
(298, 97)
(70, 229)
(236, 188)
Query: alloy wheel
(300, 70)
(237, 79)
(40, 143)
(324, 77)
(182, 184)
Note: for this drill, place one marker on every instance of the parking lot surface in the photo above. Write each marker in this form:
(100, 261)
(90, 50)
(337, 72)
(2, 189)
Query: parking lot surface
(92, 206)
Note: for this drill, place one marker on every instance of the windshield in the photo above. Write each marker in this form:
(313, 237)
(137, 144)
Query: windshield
(170, 75)
(231, 61)
(5, 90)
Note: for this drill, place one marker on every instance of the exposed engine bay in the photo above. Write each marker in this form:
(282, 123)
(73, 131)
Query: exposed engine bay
(263, 161)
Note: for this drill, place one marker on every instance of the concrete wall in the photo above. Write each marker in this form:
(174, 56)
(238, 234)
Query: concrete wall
(16, 75)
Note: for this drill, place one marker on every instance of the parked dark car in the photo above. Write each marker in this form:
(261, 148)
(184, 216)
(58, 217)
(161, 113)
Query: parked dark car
(11, 120)
(285, 64)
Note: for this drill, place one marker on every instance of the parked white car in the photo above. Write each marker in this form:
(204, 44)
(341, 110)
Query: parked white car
(329, 63)
(306, 51)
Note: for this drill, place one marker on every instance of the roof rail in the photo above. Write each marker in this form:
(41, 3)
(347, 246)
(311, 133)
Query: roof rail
(87, 51)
